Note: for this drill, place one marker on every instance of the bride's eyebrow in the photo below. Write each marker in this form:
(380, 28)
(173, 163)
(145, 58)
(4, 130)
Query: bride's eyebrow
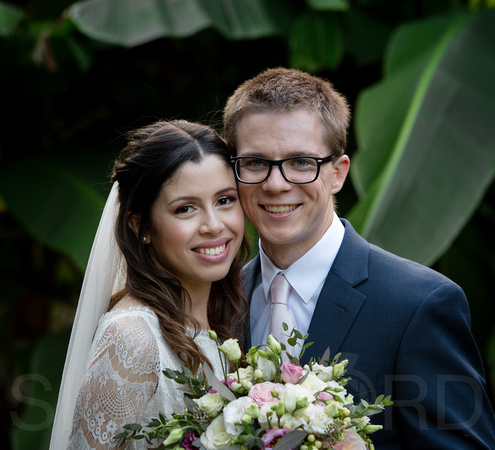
(227, 189)
(190, 198)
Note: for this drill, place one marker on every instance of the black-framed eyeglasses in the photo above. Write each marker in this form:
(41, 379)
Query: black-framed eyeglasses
(296, 170)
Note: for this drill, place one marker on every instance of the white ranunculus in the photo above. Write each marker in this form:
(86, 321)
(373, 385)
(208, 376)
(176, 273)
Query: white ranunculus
(291, 422)
(216, 436)
(211, 404)
(233, 413)
(317, 420)
(267, 367)
(265, 411)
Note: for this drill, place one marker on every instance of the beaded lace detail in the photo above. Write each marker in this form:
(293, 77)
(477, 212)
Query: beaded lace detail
(124, 382)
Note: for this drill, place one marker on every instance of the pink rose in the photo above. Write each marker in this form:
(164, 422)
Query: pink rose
(261, 393)
(352, 441)
(324, 396)
(290, 372)
(273, 435)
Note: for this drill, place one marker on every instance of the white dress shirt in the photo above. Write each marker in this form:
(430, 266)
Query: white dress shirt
(306, 277)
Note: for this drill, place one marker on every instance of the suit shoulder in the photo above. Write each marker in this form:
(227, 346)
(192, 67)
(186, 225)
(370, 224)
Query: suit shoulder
(406, 274)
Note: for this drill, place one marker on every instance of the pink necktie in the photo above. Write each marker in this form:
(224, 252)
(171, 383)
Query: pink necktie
(279, 291)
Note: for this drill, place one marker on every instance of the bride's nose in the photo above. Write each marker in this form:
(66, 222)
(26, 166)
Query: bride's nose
(211, 224)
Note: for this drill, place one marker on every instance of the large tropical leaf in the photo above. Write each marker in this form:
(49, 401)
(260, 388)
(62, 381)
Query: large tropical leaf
(316, 42)
(55, 204)
(426, 137)
(10, 16)
(130, 22)
(38, 392)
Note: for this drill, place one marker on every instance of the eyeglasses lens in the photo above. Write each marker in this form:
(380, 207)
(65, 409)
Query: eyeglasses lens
(296, 170)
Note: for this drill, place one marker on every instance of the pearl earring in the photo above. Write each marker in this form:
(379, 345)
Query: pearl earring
(145, 239)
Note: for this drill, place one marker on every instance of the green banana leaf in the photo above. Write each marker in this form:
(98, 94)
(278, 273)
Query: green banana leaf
(10, 16)
(317, 41)
(130, 23)
(426, 136)
(38, 392)
(55, 204)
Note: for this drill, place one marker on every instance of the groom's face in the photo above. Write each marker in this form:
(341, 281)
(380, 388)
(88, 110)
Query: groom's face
(290, 218)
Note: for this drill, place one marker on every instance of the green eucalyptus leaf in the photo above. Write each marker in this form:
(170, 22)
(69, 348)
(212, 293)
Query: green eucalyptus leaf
(217, 385)
(325, 357)
(190, 404)
(291, 440)
(132, 427)
(187, 372)
(120, 436)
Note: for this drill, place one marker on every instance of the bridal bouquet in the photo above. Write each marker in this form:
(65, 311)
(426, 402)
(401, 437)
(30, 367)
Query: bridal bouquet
(271, 402)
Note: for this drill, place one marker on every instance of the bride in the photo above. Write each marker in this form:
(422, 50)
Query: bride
(170, 248)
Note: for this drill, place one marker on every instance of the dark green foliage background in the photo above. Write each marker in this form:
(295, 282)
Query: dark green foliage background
(68, 99)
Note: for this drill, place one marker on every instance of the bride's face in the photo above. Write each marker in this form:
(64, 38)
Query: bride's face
(197, 223)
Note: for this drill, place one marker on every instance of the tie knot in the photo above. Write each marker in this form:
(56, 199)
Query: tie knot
(280, 289)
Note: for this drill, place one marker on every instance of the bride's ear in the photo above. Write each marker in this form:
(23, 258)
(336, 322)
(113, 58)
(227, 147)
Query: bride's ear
(134, 223)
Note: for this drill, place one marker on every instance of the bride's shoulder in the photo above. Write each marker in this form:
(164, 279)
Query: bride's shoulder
(127, 302)
(128, 313)
(129, 306)
(130, 324)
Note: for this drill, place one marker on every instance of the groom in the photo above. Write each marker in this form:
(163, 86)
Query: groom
(404, 328)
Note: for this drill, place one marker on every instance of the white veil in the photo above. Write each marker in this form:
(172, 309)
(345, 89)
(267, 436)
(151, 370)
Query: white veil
(105, 275)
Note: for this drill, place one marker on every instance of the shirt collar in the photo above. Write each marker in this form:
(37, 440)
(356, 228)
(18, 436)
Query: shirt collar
(307, 273)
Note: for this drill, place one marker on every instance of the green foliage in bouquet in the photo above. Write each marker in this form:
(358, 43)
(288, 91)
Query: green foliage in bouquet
(268, 401)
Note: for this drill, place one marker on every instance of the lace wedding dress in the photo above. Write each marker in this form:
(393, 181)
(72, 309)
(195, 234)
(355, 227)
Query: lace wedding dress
(124, 382)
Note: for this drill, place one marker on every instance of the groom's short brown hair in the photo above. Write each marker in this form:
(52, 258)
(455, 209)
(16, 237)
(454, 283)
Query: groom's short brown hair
(284, 90)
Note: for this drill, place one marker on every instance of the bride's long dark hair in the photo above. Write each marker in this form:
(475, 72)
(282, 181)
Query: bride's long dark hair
(153, 154)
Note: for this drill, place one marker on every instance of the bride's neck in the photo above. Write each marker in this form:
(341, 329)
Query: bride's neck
(199, 304)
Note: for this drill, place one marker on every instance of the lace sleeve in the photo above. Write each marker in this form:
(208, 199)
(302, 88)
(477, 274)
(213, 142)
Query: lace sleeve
(121, 378)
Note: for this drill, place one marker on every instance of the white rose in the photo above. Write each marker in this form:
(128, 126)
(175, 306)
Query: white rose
(215, 435)
(324, 373)
(361, 422)
(267, 368)
(233, 413)
(294, 393)
(313, 383)
(211, 404)
(231, 350)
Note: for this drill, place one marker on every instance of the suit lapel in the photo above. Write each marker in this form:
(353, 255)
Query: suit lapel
(251, 271)
(339, 302)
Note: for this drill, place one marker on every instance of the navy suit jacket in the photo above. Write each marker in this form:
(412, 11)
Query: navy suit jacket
(406, 332)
